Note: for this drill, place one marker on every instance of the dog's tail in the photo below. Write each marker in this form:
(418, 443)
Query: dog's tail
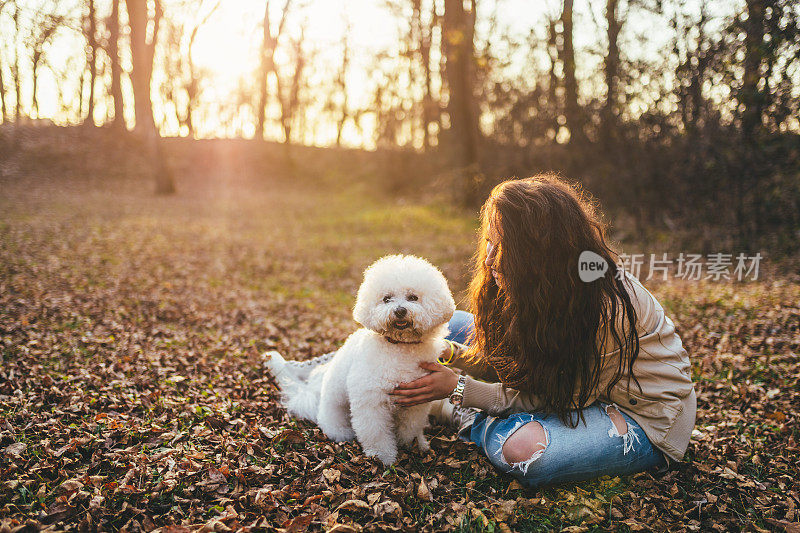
(279, 368)
(300, 398)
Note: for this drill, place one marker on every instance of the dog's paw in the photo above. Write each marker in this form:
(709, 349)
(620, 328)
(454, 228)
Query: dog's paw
(405, 440)
(340, 434)
(387, 457)
(422, 444)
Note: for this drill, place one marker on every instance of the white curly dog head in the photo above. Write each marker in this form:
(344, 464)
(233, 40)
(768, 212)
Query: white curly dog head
(403, 297)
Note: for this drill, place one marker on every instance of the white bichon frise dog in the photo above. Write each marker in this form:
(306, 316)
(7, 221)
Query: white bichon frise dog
(404, 305)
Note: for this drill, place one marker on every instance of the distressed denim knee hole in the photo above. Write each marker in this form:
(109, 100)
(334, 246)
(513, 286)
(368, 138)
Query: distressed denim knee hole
(620, 428)
(524, 445)
(617, 419)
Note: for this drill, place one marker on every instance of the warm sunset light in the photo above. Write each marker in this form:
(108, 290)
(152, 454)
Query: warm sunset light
(366, 266)
(227, 47)
(350, 54)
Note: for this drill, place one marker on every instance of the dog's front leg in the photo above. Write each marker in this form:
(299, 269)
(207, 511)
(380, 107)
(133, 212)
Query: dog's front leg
(332, 415)
(373, 424)
(411, 425)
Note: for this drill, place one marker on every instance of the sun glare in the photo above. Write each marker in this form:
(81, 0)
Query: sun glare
(380, 83)
(227, 46)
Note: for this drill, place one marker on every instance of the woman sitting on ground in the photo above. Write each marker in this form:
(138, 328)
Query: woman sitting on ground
(565, 379)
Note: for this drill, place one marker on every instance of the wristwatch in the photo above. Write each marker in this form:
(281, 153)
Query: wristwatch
(458, 393)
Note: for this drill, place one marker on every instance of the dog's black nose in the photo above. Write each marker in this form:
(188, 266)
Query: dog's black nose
(400, 312)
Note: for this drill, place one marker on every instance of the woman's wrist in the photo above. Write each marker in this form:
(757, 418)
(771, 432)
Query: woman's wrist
(453, 383)
(457, 395)
(448, 384)
(449, 353)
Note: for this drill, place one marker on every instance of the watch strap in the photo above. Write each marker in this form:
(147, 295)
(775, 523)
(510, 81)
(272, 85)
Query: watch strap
(457, 395)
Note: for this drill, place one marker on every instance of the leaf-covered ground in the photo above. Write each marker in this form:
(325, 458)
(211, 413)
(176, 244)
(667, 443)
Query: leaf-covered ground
(132, 398)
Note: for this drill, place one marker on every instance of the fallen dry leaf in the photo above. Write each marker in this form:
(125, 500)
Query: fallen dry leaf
(16, 449)
(331, 475)
(353, 505)
(423, 492)
(298, 524)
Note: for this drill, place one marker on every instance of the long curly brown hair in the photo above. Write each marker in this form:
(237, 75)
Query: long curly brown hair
(541, 328)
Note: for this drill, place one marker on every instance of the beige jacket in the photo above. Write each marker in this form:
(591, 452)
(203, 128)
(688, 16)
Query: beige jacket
(666, 406)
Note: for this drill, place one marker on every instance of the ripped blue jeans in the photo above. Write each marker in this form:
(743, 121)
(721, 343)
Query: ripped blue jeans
(593, 448)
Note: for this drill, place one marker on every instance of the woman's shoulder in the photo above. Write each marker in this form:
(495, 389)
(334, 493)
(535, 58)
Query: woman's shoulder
(649, 313)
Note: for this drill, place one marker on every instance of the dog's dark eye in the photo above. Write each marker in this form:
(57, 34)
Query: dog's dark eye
(412, 298)
(387, 299)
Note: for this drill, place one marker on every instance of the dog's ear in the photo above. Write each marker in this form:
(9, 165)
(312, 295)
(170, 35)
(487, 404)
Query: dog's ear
(363, 308)
(359, 314)
(371, 290)
(445, 305)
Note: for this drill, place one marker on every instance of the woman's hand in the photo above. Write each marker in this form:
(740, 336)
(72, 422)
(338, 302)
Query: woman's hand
(435, 386)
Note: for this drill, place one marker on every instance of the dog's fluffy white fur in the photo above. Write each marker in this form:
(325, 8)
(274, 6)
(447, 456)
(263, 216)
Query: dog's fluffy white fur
(348, 396)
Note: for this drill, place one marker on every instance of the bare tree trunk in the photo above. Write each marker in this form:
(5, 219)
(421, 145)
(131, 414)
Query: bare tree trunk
(35, 88)
(91, 37)
(3, 107)
(424, 51)
(341, 82)
(81, 83)
(697, 77)
(116, 67)
(191, 96)
(292, 102)
(571, 108)
(3, 110)
(684, 63)
(17, 77)
(750, 173)
(192, 87)
(609, 116)
(142, 53)
(268, 46)
(552, 88)
(458, 48)
(750, 94)
(264, 71)
(442, 73)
